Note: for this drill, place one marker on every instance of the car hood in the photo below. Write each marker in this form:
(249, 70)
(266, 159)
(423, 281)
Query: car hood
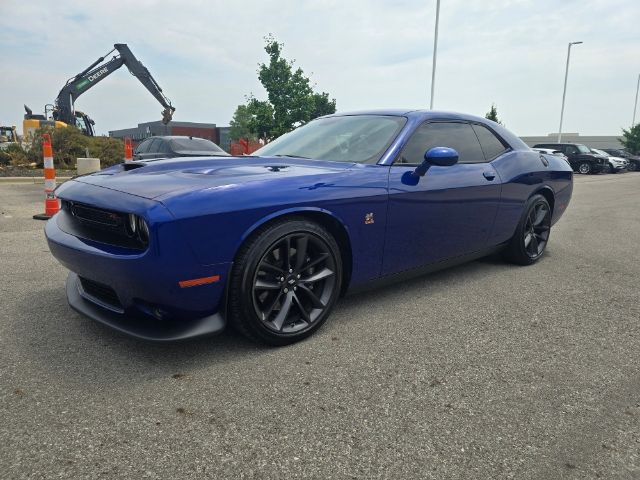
(172, 176)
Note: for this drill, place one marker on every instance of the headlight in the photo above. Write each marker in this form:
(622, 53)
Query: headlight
(143, 230)
(137, 227)
(132, 224)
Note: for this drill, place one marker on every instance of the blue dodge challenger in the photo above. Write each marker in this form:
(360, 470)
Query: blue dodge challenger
(176, 248)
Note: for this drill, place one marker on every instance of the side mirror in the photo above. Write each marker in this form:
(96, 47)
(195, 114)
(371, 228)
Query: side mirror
(439, 156)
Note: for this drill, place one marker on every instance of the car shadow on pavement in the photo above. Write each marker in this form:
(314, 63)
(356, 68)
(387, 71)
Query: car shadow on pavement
(66, 344)
(55, 337)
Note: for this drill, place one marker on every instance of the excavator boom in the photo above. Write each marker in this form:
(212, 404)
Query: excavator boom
(96, 72)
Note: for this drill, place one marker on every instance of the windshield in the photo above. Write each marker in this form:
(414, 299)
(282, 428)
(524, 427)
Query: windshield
(583, 149)
(196, 145)
(6, 132)
(600, 152)
(357, 138)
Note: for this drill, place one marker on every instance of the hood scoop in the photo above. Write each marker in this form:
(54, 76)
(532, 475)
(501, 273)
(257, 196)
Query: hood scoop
(126, 166)
(243, 170)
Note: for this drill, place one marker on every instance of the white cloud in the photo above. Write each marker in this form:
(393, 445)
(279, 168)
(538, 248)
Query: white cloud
(366, 54)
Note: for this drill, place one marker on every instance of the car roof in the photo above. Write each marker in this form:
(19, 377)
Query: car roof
(419, 116)
(424, 114)
(176, 137)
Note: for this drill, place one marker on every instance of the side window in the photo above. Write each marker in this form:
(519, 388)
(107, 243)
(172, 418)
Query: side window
(164, 147)
(456, 135)
(491, 145)
(571, 150)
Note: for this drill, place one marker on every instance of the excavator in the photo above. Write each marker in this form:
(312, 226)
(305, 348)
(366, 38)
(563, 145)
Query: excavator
(8, 135)
(62, 113)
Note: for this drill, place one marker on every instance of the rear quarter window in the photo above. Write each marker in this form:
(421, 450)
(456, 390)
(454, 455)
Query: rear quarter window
(491, 145)
(143, 147)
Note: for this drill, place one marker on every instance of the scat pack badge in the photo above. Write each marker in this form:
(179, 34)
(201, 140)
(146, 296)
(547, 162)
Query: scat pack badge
(368, 218)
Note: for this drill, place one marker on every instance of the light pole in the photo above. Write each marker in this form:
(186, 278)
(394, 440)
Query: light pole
(435, 54)
(564, 92)
(635, 105)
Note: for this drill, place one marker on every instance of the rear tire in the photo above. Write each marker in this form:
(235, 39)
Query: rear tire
(285, 282)
(532, 233)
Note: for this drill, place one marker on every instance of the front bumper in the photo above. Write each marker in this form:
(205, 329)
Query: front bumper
(146, 299)
(141, 326)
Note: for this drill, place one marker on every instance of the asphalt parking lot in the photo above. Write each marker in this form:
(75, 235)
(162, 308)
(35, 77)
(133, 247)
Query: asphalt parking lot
(486, 370)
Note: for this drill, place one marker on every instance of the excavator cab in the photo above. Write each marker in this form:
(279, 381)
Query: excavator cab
(84, 123)
(8, 136)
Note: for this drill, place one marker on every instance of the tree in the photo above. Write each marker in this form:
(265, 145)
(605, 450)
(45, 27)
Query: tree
(493, 114)
(322, 105)
(631, 139)
(241, 124)
(262, 118)
(290, 102)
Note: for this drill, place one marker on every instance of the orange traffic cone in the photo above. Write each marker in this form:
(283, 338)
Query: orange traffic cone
(51, 203)
(128, 150)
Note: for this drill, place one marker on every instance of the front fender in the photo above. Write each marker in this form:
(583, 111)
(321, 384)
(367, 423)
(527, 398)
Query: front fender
(292, 211)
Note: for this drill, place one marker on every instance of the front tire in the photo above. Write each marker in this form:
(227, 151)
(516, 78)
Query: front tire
(532, 234)
(632, 167)
(285, 282)
(585, 168)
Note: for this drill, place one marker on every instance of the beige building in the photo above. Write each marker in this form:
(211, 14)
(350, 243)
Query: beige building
(592, 141)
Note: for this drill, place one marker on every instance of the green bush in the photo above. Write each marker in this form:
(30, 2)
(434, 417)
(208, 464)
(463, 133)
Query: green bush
(17, 154)
(109, 150)
(13, 154)
(69, 143)
(5, 158)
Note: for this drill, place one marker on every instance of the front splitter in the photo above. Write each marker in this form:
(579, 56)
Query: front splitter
(142, 328)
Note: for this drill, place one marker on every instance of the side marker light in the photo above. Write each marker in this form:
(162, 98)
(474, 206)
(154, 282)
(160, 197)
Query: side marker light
(198, 281)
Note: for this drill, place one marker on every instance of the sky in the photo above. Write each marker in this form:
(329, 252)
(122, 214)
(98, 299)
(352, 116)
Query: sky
(365, 53)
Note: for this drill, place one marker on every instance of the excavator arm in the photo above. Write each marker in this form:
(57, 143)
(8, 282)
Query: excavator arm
(98, 71)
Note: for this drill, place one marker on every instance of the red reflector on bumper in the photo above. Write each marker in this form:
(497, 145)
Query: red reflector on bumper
(198, 281)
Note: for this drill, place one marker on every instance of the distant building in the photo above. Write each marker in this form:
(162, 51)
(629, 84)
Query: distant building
(152, 129)
(592, 141)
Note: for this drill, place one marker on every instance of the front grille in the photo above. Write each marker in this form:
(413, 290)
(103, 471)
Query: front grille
(96, 216)
(99, 224)
(103, 293)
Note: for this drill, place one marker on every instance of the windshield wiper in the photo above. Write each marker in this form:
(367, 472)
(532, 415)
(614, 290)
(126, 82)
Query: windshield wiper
(292, 156)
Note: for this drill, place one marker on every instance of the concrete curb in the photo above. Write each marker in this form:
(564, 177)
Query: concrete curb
(31, 180)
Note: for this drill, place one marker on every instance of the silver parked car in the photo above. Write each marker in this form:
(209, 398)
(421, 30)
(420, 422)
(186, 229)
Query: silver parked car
(616, 164)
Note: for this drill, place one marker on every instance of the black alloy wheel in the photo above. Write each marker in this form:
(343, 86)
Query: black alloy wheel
(532, 234)
(585, 168)
(537, 228)
(294, 282)
(285, 282)
(633, 166)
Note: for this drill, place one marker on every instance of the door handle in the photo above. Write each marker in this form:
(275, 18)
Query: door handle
(489, 175)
